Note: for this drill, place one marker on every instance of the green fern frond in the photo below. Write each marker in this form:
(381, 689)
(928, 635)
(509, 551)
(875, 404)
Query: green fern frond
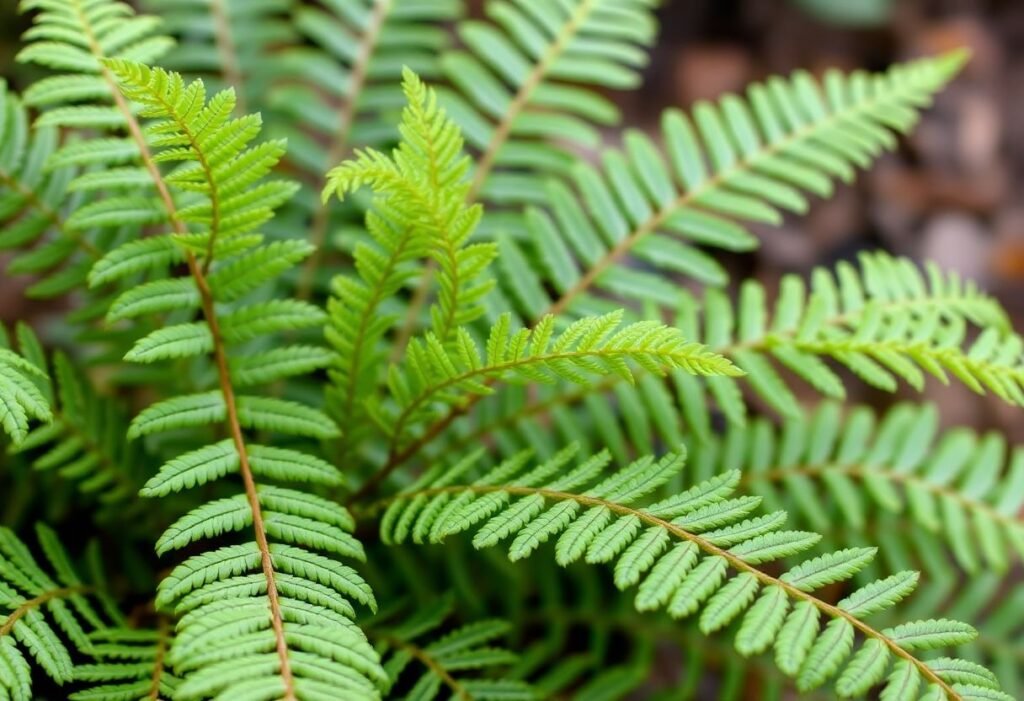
(529, 80)
(423, 187)
(699, 551)
(433, 380)
(462, 663)
(24, 386)
(966, 488)
(746, 159)
(131, 665)
(41, 609)
(269, 617)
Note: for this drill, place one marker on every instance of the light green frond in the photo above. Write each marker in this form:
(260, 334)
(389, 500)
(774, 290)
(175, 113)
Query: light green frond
(433, 378)
(700, 567)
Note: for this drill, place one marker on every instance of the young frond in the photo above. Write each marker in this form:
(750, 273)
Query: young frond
(422, 186)
(43, 608)
(462, 663)
(433, 379)
(967, 489)
(272, 616)
(130, 664)
(745, 160)
(702, 552)
(24, 386)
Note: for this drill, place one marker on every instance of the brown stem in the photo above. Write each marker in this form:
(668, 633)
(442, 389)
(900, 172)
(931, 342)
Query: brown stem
(737, 563)
(31, 604)
(164, 634)
(428, 661)
(227, 390)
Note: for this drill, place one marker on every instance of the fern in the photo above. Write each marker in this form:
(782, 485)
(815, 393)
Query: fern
(746, 159)
(41, 610)
(452, 663)
(284, 604)
(680, 552)
(962, 485)
(498, 281)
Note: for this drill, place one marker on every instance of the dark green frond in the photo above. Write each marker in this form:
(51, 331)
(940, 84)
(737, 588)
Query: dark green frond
(24, 386)
(46, 613)
(131, 664)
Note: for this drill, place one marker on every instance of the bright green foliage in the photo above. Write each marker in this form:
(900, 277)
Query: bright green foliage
(433, 378)
(966, 488)
(131, 665)
(428, 664)
(23, 387)
(44, 609)
(698, 552)
(423, 188)
(512, 286)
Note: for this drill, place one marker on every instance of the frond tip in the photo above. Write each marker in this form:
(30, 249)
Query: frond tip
(698, 552)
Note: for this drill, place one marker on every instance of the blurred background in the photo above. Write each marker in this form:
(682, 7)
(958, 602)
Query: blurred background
(953, 193)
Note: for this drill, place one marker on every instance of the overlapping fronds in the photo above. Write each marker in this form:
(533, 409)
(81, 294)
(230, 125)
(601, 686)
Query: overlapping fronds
(270, 617)
(131, 664)
(24, 385)
(699, 551)
(423, 662)
(44, 608)
(419, 213)
(888, 322)
(228, 43)
(344, 90)
(530, 79)
(434, 380)
(59, 180)
(966, 488)
(85, 443)
(745, 159)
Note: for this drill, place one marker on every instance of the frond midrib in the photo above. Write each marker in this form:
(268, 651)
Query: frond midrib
(735, 562)
(36, 602)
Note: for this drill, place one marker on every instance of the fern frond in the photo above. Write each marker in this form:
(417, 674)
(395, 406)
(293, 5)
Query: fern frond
(423, 188)
(746, 159)
(529, 78)
(269, 617)
(699, 551)
(228, 43)
(42, 608)
(131, 664)
(461, 662)
(24, 386)
(964, 487)
(434, 380)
